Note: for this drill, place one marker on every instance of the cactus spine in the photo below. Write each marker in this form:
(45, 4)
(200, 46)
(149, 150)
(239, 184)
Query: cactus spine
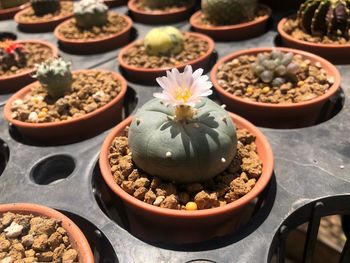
(43, 7)
(89, 13)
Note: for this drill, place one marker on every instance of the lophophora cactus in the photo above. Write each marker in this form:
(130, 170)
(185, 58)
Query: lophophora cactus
(12, 54)
(275, 67)
(159, 4)
(55, 76)
(11, 3)
(89, 13)
(164, 41)
(229, 12)
(325, 18)
(43, 7)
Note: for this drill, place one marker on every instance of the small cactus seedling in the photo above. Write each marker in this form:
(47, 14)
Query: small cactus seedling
(164, 41)
(43, 7)
(159, 4)
(55, 76)
(325, 18)
(12, 54)
(275, 67)
(89, 13)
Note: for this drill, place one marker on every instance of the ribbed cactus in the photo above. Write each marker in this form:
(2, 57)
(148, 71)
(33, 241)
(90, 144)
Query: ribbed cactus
(89, 13)
(55, 76)
(12, 54)
(159, 4)
(43, 7)
(11, 3)
(325, 17)
(182, 151)
(275, 67)
(164, 41)
(229, 12)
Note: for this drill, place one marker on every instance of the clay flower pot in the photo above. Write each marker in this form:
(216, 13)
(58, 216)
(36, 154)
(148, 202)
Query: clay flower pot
(339, 54)
(155, 224)
(77, 238)
(82, 46)
(291, 115)
(156, 17)
(44, 26)
(8, 13)
(232, 32)
(14, 82)
(149, 75)
(74, 129)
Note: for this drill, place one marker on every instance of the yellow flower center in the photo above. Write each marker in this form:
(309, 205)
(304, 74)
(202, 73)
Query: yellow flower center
(182, 94)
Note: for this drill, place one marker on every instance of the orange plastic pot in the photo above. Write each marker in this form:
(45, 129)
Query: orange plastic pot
(292, 115)
(76, 237)
(338, 54)
(232, 32)
(156, 17)
(149, 75)
(74, 129)
(8, 13)
(165, 225)
(93, 46)
(14, 82)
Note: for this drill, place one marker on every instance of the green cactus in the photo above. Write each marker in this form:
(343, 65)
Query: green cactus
(89, 13)
(182, 151)
(12, 54)
(55, 76)
(159, 4)
(325, 18)
(11, 3)
(43, 7)
(164, 41)
(229, 12)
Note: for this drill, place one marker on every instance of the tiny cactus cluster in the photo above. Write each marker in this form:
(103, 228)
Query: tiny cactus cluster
(12, 54)
(229, 12)
(11, 3)
(159, 4)
(90, 13)
(275, 67)
(55, 76)
(325, 18)
(43, 7)
(164, 41)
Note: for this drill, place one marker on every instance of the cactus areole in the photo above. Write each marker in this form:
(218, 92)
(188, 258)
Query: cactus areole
(181, 136)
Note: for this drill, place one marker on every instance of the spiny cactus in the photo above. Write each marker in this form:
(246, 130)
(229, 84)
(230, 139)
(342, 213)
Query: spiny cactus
(275, 67)
(159, 4)
(89, 13)
(164, 41)
(229, 12)
(182, 151)
(11, 3)
(12, 54)
(43, 7)
(325, 17)
(55, 76)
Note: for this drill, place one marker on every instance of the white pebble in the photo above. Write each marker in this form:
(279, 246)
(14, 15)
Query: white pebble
(33, 117)
(14, 230)
(99, 95)
(158, 200)
(168, 154)
(223, 160)
(7, 260)
(17, 103)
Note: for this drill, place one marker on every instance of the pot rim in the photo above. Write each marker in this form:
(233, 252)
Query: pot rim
(332, 71)
(21, 93)
(212, 212)
(132, 7)
(13, 9)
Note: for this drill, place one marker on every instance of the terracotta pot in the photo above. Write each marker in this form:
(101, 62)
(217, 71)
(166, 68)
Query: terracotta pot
(277, 115)
(338, 54)
(114, 3)
(104, 44)
(232, 32)
(165, 225)
(8, 13)
(14, 82)
(70, 130)
(159, 17)
(149, 75)
(77, 238)
(45, 26)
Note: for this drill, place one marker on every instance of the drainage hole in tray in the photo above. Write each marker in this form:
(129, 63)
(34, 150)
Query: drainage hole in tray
(4, 155)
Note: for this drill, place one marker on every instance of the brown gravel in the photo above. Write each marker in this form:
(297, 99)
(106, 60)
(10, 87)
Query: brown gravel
(90, 91)
(141, 6)
(36, 53)
(236, 181)
(29, 17)
(236, 77)
(194, 48)
(29, 238)
(116, 23)
(291, 27)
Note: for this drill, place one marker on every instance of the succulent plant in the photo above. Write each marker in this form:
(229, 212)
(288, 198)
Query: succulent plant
(89, 13)
(43, 7)
(12, 54)
(11, 3)
(275, 67)
(55, 76)
(159, 4)
(325, 17)
(164, 41)
(229, 12)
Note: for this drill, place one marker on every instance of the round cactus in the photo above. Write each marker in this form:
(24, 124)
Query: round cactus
(164, 41)
(12, 54)
(229, 12)
(89, 13)
(159, 4)
(182, 151)
(325, 17)
(43, 7)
